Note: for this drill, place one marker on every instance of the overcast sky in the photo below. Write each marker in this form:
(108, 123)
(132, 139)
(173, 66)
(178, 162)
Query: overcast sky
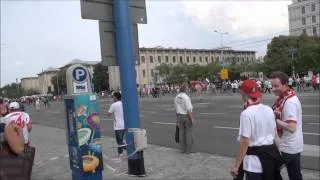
(36, 35)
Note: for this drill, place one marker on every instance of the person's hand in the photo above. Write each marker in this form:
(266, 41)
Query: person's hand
(191, 122)
(16, 128)
(234, 171)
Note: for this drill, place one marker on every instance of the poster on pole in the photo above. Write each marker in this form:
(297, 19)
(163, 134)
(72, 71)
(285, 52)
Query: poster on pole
(224, 74)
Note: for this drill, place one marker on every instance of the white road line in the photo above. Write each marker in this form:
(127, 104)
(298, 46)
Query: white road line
(310, 105)
(53, 158)
(106, 119)
(223, 127)
(163, 123)
(213, 113)
(67, 155)
(313, 134)
(233, 128)
(313, 123)
(124, 172)
(310, 115)
(109, 167)
(203, 103)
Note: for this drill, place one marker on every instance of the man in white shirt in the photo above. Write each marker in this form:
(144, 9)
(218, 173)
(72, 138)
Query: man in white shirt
(185, 120)
(288, 113)
(116, 110)
(257, 137)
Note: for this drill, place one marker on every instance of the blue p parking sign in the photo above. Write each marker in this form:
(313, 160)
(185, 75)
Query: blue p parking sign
(79, 74)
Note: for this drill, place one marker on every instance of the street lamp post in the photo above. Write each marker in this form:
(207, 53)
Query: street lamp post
(221, 42)
(292, 51)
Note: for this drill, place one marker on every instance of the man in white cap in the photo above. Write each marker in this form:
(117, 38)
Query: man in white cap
(20, 119)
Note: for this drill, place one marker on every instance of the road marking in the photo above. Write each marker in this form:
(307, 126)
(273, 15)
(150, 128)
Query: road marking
(106, 119)
(311, 150)
(109, 167)
(53, 158)
(67, 155)
(233, 128)
(163, 123)
(314, 134)
(203, 103)
(223, 127)
(310, 115)
(313, 123)
(310, 105)
(213, 113)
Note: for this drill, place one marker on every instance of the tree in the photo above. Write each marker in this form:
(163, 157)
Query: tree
(59, 82)
(279, 54)
(11, 90)
(100, 78)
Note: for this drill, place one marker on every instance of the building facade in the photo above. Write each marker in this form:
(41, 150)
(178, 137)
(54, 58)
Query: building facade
(30, 83)
(150, 58)
(304, 17)
(44, 80)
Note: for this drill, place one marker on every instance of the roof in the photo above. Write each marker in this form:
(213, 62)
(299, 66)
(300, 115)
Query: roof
(29, 78)
(50, 70)
(78, 61)
(226, 49)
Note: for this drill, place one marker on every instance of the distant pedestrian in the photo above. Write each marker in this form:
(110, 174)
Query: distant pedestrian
(116, 109)
(183, 107)
(288, 112)
(257, 137)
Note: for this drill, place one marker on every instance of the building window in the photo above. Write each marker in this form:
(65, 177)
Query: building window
(194, 59)
(303, 9)
(159, 59)
(152, 73)
(303, 21)
(314, 31)
(167, 59)
(304, 31)
(211, 59)
(313, 7)
(181, 60)
(313, 19)
(144, 73)
(238, 59)
(243, 59)
(200, 59)
(173, 59)
(217, 59)
(143, 59)
(188, 59)
(151, 59)
(206, 59)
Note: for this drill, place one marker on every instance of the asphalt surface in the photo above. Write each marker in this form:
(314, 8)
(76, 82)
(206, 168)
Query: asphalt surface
(217, 120)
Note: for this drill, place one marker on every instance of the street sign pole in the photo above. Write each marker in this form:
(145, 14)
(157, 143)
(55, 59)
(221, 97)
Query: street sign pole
(124, 52)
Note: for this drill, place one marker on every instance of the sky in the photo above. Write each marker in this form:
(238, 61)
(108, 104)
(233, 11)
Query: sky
(38, 34)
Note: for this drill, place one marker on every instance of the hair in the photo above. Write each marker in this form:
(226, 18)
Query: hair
(117, 95)
(283, 77)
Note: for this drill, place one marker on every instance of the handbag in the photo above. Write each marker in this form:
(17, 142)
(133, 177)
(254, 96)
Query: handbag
(176, 137)
(16, 166)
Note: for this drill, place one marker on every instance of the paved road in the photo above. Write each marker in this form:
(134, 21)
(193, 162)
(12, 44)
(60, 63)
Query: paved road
(217, 122)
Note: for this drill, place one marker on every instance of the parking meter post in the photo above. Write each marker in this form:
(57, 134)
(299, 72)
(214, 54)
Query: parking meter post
(124, 52)
(83, 125)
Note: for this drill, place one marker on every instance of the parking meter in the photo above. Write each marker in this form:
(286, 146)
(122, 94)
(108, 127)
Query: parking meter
(83, 125)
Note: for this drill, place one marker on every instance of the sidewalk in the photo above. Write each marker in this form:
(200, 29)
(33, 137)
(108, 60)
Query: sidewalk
(52, 161)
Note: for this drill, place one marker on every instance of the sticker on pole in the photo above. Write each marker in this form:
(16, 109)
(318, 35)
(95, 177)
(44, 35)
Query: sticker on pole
(79, 74)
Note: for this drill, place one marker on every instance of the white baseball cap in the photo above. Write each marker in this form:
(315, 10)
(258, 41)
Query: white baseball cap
(14, 105)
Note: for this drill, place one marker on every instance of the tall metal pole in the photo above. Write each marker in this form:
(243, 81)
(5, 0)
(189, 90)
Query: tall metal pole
(124, 52)
(221, 43)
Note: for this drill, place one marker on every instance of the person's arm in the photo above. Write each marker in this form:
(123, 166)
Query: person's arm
(289, 125)
(244, 144)
(276, 138)
(14, 136)
(110, 111)
(289, 122)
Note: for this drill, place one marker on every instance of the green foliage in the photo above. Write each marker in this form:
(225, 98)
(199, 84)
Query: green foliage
(305, 51)
(100, 78)
(11, 90)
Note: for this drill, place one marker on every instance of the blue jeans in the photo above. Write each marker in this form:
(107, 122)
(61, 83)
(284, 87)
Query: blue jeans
(253, 176)
(292, 162)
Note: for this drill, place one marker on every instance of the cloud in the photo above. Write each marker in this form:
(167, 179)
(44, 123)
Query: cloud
(239, 18)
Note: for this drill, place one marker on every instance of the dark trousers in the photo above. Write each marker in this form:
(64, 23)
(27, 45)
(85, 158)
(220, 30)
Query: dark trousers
(253, 176)
(119, 139)
(292, 162)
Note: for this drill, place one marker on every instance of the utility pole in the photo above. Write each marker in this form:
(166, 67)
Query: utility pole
(221, 42)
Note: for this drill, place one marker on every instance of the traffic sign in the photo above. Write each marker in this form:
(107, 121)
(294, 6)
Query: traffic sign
(224, 74)
(79, 74)
(107, 43)
(103, 10)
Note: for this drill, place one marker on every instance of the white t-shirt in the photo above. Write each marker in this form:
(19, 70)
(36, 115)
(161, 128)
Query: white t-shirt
(117, 110)
(292, 143)
(21, 119)
(290, 81)
(257, 122)
(182, 103)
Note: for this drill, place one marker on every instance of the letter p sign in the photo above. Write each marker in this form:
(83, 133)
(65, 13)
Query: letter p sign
(79, 74)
